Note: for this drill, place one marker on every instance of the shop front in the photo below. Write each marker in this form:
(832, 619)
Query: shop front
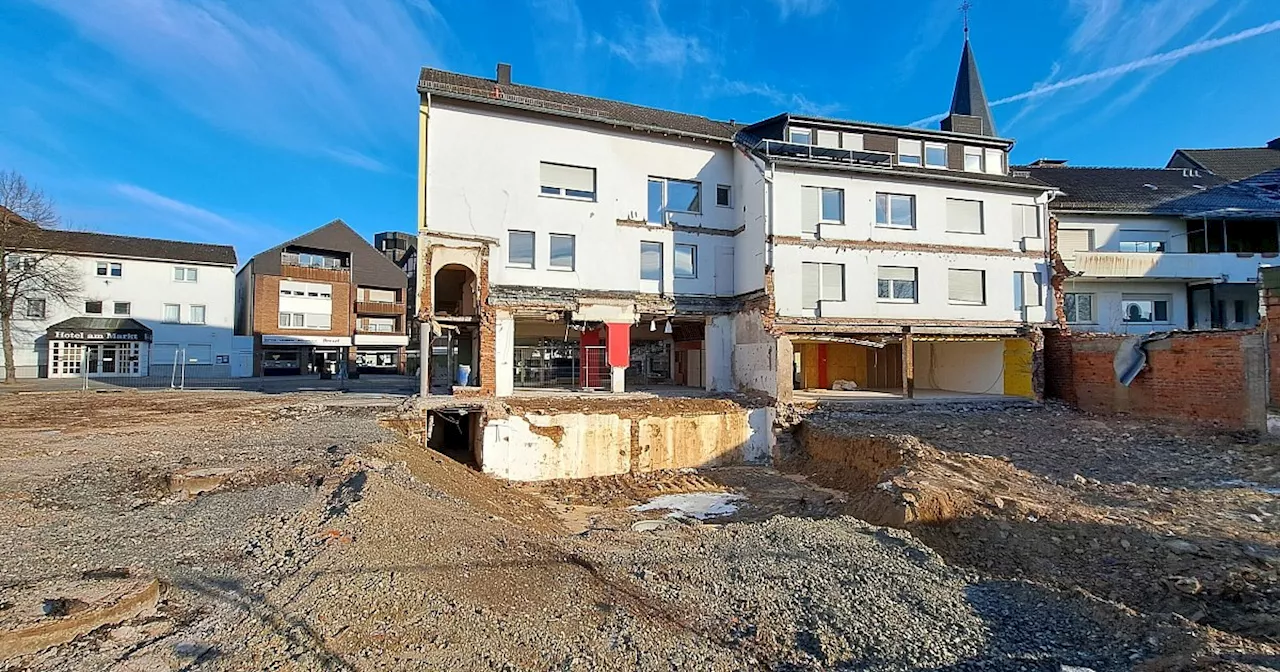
(290, 355)
(98, 347)
(380, 353)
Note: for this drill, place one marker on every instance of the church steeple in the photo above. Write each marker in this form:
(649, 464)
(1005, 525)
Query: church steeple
(970, 112)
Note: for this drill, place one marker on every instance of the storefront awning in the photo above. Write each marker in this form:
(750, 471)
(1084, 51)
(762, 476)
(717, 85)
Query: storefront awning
(99, 329)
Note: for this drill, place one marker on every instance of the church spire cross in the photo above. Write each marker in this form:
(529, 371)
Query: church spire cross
(964, 10)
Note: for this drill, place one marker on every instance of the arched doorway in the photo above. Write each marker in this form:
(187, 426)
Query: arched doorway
(454, 292)
(455, 311)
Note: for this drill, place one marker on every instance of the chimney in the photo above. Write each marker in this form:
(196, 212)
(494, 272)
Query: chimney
(504, 73)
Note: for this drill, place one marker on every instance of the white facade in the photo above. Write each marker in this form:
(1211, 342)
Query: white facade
(190, 315)
(1119, 278)
(493, 198)
(996, 251)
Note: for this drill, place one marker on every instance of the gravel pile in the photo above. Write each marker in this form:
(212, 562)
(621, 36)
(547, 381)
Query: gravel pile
(801, 594)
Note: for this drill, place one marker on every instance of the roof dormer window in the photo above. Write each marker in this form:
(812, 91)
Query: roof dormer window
(800, 136)
(909, 152)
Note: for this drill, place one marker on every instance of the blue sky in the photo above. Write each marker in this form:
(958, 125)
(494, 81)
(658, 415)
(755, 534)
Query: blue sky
(250, 121)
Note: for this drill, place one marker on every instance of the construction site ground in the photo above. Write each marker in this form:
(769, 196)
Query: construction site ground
(243, 531)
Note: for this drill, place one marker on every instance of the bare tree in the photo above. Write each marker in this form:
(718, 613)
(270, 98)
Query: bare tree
(31, 271)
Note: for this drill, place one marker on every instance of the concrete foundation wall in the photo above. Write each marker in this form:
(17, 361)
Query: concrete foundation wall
(719, 353)
(535, 447)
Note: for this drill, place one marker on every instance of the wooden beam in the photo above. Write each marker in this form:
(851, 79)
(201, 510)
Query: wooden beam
(908, 368)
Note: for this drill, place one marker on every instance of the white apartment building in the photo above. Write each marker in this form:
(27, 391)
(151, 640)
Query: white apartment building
(1159, 249)
(143, 306)
(582, 242)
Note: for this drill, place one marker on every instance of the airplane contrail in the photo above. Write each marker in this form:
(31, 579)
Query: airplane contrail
(1126, 68)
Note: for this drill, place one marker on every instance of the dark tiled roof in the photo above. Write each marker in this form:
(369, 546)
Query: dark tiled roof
(559, 103)
(1157, 191)
(369, 267)
(1233, 164)
(81, 242)
(968, 98)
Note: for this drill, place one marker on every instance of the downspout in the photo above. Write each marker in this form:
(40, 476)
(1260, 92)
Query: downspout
(425, 331)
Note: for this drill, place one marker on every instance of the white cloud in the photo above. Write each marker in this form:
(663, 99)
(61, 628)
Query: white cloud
(788, 8)
(1113, 72)
(789, 102)
(187, 216)
(655, 43)
(301, 76)
(1096, 17)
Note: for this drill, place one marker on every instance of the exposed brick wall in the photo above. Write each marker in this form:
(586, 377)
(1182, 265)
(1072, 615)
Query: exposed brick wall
(1270, 327)
(1210, 377)
(266, 309)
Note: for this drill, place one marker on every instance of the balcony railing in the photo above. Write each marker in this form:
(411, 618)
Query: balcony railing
(793, 150)
(1224, 267)
(379, 308)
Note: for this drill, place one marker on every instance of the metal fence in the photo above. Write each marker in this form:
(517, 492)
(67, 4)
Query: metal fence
(566, 364)
(202, 376)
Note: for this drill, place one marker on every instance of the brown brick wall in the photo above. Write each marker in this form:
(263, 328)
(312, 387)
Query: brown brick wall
(1271, 330)
(1210, 377)
(266, 309)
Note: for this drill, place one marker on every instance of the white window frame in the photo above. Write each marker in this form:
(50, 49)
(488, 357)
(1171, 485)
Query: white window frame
(821, 271)
(128, 308)
(728, 195)
(888, 211)
(665, 207)
(1075, 307)
(1153, 299)
(982, 217)
(974, 153)
(553, 191)
(999, 156)
(914, 149)
(191, 311)
(573, 252)
(1140, 238)
(822, 201)
(1020, 221)
(693, 256)
(982, 275)
(533, 249)
(792, 132)
(177, 313)
(1022, 281)
(935, 145)
(185, 274)
(893, 282)
(661, 264)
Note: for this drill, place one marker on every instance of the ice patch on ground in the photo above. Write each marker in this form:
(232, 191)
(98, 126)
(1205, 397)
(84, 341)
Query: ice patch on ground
(700, 505)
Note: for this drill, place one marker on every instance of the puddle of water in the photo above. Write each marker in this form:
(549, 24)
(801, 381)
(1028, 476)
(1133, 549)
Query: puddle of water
(700, 505)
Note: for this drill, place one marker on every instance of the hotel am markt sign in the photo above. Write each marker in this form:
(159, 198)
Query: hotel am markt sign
(83, 329)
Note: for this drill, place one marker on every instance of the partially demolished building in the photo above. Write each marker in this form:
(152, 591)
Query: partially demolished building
(577, 242)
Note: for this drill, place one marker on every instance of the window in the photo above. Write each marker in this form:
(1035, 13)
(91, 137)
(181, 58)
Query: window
(311, 260)
(973, 159)
(935, 155)
(896, 283)
(801, 136)
(964, 216)
(184, 274)
(291, 320)
(1132, 240)
(967, 286)
(820, 205)
(673, 196)
(1240, 316)
(106, 269)
(1026, 222)
(828, 139)
(1026, 289)
(1143, 308)
(1078, 307)
(851, 141)
(1071, 241)
(821, 283)
(724, 196)
(378, 324)
(562, 252)
(909, 152)
(685, 261)
(172, 312)
(36, 309)
(569, 181)
(197, 314)
(896, 210)
(121, 308)
(378, 295)
(994, 160)
(832, 206)
(520, 249)
(650, 260)
(93, 307)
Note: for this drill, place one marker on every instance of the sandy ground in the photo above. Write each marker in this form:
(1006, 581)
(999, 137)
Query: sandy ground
(297, 532)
